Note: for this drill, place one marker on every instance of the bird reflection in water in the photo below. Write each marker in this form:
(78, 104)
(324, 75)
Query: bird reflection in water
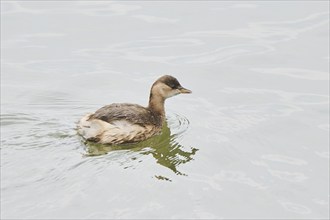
(164, 148)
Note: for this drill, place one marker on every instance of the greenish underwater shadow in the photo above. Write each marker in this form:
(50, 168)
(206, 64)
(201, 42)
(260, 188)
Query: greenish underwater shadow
(164, 148)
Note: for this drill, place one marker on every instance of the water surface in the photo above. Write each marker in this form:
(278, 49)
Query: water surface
(251, 141)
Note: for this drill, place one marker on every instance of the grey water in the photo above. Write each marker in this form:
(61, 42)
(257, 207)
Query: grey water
(250, 142)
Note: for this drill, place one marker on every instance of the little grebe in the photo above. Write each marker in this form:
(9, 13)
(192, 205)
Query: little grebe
(128, 123)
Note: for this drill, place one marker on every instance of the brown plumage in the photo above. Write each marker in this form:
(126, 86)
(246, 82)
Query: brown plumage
(132, 113)
(126, 123)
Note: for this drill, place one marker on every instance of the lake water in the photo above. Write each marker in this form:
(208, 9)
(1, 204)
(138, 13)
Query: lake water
(251, 141)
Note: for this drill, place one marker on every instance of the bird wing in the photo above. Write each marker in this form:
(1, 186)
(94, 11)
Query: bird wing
(132, 113)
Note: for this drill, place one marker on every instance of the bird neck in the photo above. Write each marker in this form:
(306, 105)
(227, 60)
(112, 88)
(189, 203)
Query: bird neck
(156, 104)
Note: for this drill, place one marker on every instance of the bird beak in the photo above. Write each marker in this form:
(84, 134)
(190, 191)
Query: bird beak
(184, 90)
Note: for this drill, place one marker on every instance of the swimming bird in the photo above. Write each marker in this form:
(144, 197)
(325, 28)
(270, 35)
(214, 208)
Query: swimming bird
(121, 123)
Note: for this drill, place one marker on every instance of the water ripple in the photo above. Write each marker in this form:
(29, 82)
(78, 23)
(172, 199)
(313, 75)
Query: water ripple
(297, 208)
(284, 159)
(178, 124)
(288, 176)
(295, 73)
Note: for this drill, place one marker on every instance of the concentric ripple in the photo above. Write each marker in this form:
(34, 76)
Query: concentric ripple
(178, 124)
